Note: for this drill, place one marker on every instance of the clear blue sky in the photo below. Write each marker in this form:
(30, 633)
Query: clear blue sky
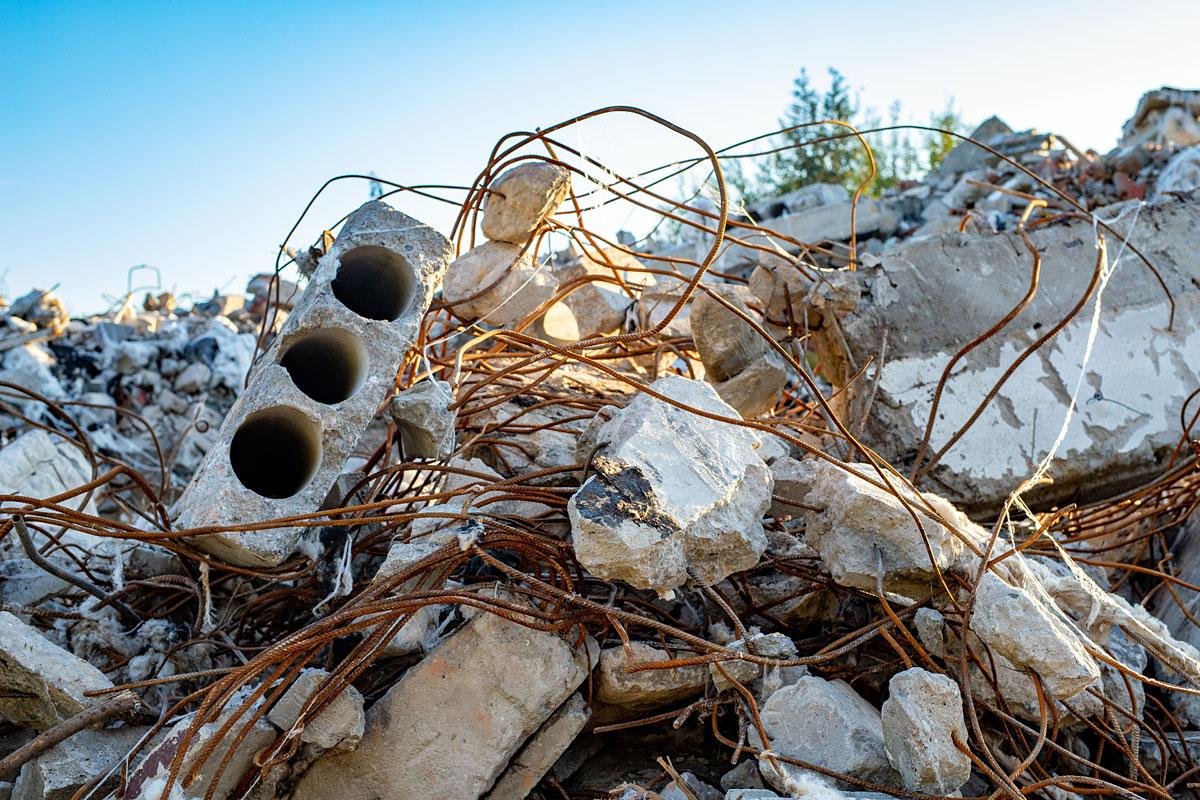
(190, 135)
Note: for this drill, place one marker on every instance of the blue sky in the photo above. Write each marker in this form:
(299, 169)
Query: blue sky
(189, 136)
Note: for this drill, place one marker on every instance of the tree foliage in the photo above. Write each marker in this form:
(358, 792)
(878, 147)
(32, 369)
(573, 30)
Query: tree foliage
(814, 151)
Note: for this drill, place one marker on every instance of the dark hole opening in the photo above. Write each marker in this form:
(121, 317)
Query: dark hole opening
(275, 452)
(327, 365)
(373, 282)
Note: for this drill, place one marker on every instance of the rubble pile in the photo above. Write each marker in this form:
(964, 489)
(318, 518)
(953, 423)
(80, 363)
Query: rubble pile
(838, 498)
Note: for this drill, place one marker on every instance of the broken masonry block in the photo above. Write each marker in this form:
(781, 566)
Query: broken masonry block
(41, 684)
(318, 386)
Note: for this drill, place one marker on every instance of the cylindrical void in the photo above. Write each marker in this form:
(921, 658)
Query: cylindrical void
(327, 364)
(275, 452)
(374, 282)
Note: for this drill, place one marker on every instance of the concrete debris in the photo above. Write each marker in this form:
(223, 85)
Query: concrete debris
(65, 768)
(497, 283)
(1165, 116)
(696, 789)
(520, 200)
(768, 645)
(1022, 629)
(608, 284)
(211, 767)
(213, 498)
(624, 694)
(850, 740)
(1181, 175)
(921, 717)
(542, 750)
(436, 735)
(41, 684)
(651, 528)
(425, 422)
(340, 724)
(863, 529)
(318, 386)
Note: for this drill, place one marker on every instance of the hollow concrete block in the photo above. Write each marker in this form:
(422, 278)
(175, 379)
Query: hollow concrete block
(315, 390)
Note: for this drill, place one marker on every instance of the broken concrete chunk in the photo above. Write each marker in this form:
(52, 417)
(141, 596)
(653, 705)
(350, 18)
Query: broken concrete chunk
(744, 776)
(922, 712)
(453, 722)
(850, 739)
(768, 645)
(1166, 116)
(317, 387)
(63, 769)
(793, 481)
(521, 199)
(675, 496)
(1182, 173)
(425, 422)
(727, 343)
(41, 684)
(598, 306)
(340, 724)
(622, 694)
(863, 526)
(498, 284)
(755, 390)
(697, 789)
(148, 780)
(1018, 626)
(39, 464)
(936, 295)
(541, 751)
(966, 156)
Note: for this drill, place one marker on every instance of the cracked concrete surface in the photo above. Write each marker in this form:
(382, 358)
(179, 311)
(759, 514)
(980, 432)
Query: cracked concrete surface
(928, 296)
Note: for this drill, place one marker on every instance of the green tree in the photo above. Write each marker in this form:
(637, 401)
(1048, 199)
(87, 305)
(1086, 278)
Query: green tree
(810, 157)
(937, 145)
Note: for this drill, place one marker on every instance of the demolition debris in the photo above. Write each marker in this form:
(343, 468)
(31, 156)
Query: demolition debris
(827, 496)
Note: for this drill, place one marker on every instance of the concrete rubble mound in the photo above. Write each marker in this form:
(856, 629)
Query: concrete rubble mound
(879, 495)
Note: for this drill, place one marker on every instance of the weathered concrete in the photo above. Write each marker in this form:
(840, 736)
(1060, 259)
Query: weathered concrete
(755, 390)
(1182, 172)
(340, 724)
(316, 389)
(522, 198)
(39, 464)
(863, 526)
(426, 424)
(598, 306)
(793, 481)
(922, 713)
(768, 645)
(966, 155)
(1164, 116)
(40, 683)
(453, 722)
(148, 780)
(59, 772)
(936, 295)
(542, 750)
(626, 695)
(498, 284)
(850, 739)
(1018, 626)
(697, 789)
(676, 495)
(727, 343)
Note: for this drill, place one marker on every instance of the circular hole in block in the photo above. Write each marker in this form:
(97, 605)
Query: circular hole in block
(328, 365)
(374, 282)
(275, 452)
